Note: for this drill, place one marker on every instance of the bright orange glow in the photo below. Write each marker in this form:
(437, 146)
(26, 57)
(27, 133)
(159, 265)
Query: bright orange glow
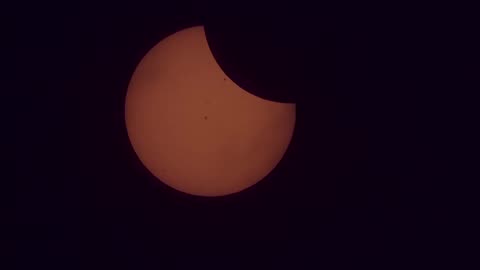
(194, 128)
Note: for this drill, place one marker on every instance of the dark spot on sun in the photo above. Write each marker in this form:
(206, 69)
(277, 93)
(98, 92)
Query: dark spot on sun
(224, 79)
(205, 117)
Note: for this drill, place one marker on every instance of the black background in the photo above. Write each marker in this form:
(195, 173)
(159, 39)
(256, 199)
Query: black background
(347, 191)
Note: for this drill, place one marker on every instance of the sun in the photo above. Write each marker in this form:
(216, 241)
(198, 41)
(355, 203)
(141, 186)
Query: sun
(196, 130)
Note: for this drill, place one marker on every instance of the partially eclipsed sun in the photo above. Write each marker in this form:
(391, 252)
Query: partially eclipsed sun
(194, 128)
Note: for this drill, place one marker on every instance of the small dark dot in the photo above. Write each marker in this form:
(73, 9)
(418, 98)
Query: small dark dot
(224, 79)
(205, 117)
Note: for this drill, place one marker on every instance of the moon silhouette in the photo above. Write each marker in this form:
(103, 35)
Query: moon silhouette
(193, 128)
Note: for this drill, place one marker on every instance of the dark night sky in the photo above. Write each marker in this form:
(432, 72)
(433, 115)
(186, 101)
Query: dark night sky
(347, 190)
